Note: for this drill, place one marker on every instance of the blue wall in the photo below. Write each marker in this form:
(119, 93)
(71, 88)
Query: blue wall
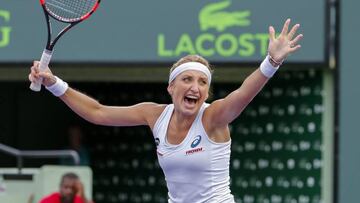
(349, 136)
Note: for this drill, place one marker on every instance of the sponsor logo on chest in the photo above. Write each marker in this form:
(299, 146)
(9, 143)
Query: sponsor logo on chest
(194, 149)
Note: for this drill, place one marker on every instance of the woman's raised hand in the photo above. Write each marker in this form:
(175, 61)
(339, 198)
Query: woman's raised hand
(284, 44)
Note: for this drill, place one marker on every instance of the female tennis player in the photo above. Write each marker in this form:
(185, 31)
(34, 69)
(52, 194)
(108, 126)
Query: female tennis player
(192, 137)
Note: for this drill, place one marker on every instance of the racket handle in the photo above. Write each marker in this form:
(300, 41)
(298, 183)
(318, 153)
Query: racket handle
(44, 62)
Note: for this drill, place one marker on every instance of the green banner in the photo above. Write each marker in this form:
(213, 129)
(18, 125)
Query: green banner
(138, 31)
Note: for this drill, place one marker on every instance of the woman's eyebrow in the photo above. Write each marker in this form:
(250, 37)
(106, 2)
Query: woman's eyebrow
(186, 75)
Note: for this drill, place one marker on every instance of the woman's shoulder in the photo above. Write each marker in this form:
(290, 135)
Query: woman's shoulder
(153, 107)
(153, 111)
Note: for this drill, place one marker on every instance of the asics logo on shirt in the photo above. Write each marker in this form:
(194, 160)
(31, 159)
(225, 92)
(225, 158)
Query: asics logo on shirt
(196, 141)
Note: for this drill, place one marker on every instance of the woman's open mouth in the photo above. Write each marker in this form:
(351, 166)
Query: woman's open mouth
(191, 100)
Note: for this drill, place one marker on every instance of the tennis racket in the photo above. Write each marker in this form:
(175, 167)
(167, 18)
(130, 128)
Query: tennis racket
(70, 12)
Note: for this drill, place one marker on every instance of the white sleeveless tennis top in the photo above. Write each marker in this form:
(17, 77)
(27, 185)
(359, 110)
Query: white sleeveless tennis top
(196, 170)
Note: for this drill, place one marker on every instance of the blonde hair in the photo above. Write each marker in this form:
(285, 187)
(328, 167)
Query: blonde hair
(192, 58)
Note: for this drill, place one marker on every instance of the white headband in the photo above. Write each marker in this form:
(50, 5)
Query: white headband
(190, 66)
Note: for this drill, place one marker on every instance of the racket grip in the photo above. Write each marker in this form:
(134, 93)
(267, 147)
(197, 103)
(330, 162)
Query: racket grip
(44, 62)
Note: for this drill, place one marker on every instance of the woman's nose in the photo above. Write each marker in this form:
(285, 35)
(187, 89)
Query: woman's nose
(195, 87)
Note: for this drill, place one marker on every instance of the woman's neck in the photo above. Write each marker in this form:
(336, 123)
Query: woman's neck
(182, 121)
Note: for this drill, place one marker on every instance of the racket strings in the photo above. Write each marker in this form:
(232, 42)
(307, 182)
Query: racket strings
(69, 10)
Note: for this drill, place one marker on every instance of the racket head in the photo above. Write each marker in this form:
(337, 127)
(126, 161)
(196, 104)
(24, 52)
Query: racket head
(70, 11)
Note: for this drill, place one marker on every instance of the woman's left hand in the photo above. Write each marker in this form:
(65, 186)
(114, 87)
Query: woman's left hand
(285, 43)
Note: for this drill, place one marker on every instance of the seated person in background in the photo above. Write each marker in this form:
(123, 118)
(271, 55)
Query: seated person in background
(75, 140)
(71, 191)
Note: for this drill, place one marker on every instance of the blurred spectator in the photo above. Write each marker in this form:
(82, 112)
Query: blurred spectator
(75, 140)
(71, 191)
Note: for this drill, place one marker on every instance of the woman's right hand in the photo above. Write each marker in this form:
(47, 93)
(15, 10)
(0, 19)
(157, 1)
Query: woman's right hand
(35, 75)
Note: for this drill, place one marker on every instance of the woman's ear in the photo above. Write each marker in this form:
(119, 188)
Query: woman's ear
(170, 88)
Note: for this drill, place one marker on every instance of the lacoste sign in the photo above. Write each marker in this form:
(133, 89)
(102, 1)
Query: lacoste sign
(4, 28)
(162, 31)
(217, 17)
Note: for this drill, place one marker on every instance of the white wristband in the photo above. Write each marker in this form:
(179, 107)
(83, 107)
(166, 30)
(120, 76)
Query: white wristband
(267, 69)
(59, 88)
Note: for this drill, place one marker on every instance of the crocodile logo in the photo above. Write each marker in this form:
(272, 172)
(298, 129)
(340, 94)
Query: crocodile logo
(214, 16)
(5, 30)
